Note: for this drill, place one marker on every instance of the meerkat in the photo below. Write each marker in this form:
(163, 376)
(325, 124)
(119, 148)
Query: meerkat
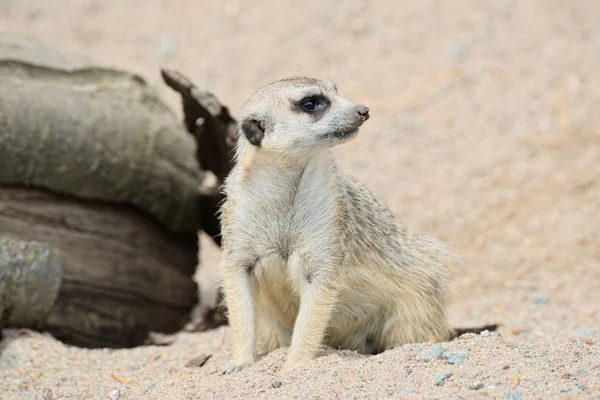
(310, 256)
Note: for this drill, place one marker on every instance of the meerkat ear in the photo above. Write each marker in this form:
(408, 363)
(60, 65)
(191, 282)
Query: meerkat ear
(254, 130)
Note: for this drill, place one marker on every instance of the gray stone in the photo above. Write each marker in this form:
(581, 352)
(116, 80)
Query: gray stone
(582, 332)
(460, 52)
(442, 378)
(431, 353)
(456, 357)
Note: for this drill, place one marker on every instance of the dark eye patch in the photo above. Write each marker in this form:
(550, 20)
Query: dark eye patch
(313, 104)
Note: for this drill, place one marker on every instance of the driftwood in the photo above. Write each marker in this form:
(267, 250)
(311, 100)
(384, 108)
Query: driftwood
(209, 121)
(98, 171)
(124, 276)
(94, 133)
(215, 131)
(93, 164)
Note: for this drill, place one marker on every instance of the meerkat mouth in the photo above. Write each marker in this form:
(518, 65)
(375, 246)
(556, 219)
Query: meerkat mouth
(349, 134)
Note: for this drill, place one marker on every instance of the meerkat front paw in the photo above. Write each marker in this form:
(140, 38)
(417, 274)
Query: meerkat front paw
(235, 366)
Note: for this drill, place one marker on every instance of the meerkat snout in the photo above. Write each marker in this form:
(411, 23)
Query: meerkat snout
(363, 112)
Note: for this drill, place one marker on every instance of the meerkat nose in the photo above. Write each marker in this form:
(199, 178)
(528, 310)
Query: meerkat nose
(363, 111)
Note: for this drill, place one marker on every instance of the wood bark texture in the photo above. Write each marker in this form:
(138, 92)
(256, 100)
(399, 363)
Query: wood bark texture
(94, 165)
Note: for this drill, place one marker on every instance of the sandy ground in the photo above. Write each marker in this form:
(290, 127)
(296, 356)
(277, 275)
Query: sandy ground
(485, 132)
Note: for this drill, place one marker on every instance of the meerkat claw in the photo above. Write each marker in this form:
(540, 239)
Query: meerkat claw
(231, 368)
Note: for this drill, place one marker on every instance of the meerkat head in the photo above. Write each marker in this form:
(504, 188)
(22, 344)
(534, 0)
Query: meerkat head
(299, 114)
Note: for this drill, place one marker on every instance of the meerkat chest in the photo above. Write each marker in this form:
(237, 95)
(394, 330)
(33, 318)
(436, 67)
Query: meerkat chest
(279, 215)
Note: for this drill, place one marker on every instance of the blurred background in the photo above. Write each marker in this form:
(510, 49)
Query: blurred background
(484, 126)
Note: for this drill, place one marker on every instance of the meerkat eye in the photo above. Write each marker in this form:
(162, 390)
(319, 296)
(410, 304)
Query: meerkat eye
(309, 104)
(313, 104)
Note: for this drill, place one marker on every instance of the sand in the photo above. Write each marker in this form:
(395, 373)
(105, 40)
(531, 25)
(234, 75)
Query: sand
(484, 131)
(34, 365)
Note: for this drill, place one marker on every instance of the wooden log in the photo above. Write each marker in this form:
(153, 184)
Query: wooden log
(215, 131)
(124, 274)
(95, 165)
(92, 132)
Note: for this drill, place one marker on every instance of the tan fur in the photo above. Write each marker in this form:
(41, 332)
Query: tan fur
(310, 256)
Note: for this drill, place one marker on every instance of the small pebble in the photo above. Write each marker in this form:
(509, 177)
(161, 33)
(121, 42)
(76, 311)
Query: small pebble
(460, 52)
(476, 385)
(432, 353)
(513, 396)
(442, 378)
(511, 194)
(276, 385)
(114, 395)
(579, 388)
(540, 299)
(485, 333)
(582, 332)
(198, 361)
(456, 357)
(166, 46)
